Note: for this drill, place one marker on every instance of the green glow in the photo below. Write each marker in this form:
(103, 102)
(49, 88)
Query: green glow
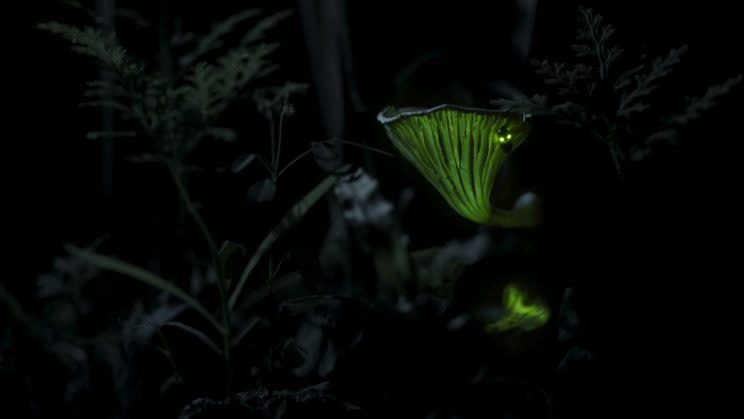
(460, 151)
(519, 314)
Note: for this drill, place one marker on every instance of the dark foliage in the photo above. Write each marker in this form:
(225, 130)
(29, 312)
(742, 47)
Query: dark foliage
(613, 103)
(344, 287)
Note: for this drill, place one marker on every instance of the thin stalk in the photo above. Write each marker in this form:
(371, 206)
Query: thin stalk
(279, 141)
(290, 219)
(303, 154)
(139, 274)
(264, 164)
(366, 147)
(224, 306)
(306, 152)
(272, 136)
(192, 209)
(616, 154)
(168, 352)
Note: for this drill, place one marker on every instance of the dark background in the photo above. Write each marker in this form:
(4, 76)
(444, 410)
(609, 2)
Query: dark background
(56, 181)
(660, 268)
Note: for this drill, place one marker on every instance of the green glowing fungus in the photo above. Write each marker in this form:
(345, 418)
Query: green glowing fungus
(518, 313)
(460, 151)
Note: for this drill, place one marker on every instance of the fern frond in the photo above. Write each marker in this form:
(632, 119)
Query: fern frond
(565, 80)
(625, 79)
(211, 88)
(596, 38)
(104, 88)
(262, 26)
(92, 43)
(697, 105)
(648, 83)
(213, 40)
(177, 113)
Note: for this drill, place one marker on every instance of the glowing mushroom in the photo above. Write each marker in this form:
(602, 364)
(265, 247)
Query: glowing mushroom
(518, 314)
(460, 151)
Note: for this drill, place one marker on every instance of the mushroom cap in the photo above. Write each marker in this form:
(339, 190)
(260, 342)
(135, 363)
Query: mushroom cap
(458, 149)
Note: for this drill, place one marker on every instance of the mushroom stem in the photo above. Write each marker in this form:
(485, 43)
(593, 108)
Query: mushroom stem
(526, 213)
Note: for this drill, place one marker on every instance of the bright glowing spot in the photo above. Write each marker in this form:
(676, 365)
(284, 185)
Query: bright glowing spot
(519, 314)
(502, 139)
(508, 137)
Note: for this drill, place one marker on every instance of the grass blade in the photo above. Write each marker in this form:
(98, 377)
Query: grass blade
(289, 220)
(246, 329)
(197, 334)
(135, 272)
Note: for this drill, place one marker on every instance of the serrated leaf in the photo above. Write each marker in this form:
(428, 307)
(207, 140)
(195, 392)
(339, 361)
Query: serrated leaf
(213, 39)
(698, 105)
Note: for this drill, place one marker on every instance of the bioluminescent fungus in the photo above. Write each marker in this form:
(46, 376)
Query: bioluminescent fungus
(460, 151)
(518, 313)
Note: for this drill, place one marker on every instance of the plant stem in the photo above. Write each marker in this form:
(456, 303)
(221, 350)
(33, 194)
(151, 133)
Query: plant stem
(192, 208)
(225, 308)
(279, 141)
(300, 156)
(273, 148)
(616, 154)
(135, 272)
(290, 219)
(366, 147)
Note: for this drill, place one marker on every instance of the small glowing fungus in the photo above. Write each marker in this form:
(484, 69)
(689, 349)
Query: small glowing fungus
(460, 151)
(518, 313)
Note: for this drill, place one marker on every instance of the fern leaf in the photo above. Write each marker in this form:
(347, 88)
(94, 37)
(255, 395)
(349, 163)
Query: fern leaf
(648, 83)
(697, 105)
(93, 43)
(625, 79)
(262, 26)
(596, 37)
(213, 40)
